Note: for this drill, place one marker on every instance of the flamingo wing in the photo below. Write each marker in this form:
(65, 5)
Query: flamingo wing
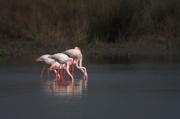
(71, 53)
(62, 58)
(49, 61)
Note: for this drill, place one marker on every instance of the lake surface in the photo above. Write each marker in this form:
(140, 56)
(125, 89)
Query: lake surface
(117, 91)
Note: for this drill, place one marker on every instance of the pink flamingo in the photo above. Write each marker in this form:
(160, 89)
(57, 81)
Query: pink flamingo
(46, 58)
(65, 61)
(77, 59)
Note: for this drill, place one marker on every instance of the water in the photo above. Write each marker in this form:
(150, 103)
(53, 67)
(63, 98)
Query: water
(129, 91)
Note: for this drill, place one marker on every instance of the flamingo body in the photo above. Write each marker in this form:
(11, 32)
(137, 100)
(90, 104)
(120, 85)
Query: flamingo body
(60, 57)
(49, 61)
(73, 53)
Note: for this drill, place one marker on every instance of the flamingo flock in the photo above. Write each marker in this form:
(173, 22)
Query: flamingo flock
(60, 63)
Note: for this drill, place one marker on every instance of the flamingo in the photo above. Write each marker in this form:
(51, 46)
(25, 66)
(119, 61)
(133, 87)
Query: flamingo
(46, 58)
(65, 61)
(77, 59)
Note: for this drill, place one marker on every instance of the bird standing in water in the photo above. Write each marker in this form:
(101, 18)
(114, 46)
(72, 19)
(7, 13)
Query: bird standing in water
(77, 59)
(46, 58)
(65, 61)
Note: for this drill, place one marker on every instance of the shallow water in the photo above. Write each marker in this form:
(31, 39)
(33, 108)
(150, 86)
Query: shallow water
(130, 91)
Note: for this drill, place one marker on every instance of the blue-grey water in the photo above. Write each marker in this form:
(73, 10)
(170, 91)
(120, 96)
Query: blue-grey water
(117, 91)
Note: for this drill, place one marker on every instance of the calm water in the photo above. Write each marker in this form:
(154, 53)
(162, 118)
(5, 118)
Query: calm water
(131, 91)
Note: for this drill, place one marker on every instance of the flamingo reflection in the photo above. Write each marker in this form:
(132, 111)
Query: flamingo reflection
(66, 88)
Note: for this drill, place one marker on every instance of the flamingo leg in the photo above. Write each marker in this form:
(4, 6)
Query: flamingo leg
(61, 73)
(48, 71)
(64, 73)
(67, 69)
(72, 69)
(58, 71)
(42, 72)
(56, 75)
